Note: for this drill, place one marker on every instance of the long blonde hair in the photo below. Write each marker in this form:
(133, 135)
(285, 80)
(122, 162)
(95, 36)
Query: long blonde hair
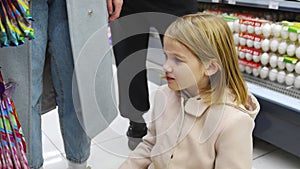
(209, 37)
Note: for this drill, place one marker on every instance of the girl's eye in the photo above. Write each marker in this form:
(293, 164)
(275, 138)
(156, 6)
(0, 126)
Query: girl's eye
(178, 60)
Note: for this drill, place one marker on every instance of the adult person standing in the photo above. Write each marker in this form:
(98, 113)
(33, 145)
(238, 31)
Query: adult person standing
(131, 52)
(54, 22)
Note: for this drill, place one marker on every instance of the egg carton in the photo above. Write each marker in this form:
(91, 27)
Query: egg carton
(281, 88)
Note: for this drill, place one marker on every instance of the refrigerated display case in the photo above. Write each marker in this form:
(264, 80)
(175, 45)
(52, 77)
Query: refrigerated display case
(279, 119)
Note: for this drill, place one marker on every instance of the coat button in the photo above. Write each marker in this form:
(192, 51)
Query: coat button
(90, 12)
(172, 156)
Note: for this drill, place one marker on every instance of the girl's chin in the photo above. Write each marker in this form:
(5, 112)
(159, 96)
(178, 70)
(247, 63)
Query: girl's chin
(174, 87)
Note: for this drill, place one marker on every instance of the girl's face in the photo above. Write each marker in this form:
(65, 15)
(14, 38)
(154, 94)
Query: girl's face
(183, 69)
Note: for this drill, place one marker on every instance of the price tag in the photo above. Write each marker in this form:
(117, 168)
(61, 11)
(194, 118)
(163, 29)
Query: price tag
(215, 1)
(231, 2)
(273, 4)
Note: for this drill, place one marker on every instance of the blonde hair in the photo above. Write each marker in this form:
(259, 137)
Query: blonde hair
(209, 38)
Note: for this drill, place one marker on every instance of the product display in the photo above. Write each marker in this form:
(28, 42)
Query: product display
(12, 143)
(14, 22)
(266, 48)
(276, 41)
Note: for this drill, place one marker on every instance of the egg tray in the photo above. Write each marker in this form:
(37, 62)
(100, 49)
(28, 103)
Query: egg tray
(281, 88)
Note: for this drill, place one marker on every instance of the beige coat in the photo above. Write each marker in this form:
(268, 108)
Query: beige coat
(200, 137)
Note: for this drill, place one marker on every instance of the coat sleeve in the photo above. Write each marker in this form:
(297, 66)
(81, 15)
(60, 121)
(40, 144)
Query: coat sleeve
(140, 158)
(234, 146)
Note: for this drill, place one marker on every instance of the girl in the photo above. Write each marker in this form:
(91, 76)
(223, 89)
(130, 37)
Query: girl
(204, 117)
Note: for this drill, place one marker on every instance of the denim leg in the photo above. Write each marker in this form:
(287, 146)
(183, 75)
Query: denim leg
(76, 142)
(38, 49)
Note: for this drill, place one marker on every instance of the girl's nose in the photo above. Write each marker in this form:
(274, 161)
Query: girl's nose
(167, 67)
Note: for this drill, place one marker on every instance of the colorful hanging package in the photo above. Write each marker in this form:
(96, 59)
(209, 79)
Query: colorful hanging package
(15, 22)
(12, 142)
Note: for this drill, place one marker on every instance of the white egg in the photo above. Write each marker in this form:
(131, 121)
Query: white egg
(284, 32)
(293, 36)
(236, 49)
(256, 71)
(291, 49)
(264, 72)
(273, 60)
(243, 27)
(248, 69)
(289, 67)
(272, 26)
(224, 14)
(280, 63)
(242, 41)
(266, 30)
(257, 45)
(277, 30)
(236, 26)
(258, 30)
(265, 45)
(242, 67)
(256, 58)
(230, 24)
(297, 68)
(242, 55)
(281, 76)
(264, 59)
(250, 29)
(236, 39)
(274, 45)
(249, 43)
(273, 74)
(297, 82)
(290, 79)
(282, 47)
(249, 56)
(298, 52)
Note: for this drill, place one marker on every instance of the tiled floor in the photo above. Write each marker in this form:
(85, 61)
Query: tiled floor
(109, 148)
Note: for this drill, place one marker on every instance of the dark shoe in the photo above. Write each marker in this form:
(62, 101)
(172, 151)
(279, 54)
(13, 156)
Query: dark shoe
(135, 133)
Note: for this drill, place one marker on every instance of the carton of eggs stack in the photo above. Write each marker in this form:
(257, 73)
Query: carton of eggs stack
(268, 50)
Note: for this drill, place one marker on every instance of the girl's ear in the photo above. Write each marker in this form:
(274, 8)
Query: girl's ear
(212, 68)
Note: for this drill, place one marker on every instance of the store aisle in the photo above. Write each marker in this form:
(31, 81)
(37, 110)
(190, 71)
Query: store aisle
(109, 148)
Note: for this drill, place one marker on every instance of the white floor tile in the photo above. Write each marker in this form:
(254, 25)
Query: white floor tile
(277, 160)
(116, 147)
(52, 156)
(261, 148)
(117, 128)
(50, 126)
(106, 157)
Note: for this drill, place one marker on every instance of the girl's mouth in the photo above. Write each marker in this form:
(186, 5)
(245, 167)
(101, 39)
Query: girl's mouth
(168, 78)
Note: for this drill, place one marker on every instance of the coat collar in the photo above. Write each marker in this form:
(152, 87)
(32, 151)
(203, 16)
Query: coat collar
(195, 106)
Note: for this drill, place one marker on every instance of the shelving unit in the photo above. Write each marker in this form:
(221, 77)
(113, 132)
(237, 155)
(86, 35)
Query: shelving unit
(281, 5)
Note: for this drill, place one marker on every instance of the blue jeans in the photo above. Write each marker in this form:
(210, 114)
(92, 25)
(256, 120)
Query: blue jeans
(51, 27)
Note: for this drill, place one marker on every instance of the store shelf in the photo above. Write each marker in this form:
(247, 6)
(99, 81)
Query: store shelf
(291, 6)
(278, 121)
(275, 97)
(210, 1)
